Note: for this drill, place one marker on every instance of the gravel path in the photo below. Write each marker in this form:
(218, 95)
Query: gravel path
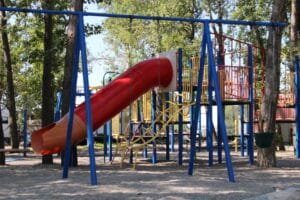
(26, 178)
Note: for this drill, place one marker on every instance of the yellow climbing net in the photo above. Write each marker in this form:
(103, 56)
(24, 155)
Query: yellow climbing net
(143, 135)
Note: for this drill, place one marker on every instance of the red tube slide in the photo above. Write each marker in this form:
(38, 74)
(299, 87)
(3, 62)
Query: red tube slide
(105, 104)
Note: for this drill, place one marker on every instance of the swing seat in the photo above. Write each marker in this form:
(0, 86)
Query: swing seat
(264, 140)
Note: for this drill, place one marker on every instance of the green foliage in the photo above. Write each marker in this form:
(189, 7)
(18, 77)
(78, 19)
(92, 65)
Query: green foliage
(134, 40)
(253, 10)
(26, 35)
(232, 114)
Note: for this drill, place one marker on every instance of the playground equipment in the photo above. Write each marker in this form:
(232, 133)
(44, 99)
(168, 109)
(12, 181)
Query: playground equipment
(85, 117)
(115, 96)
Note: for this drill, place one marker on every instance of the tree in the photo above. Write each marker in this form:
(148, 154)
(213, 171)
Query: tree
(2, 154)
(47, 85)
(69, 61)
(27, 51)
(295, 27)
(2, 89)
(266, 156)
(252, 10)
(9, 78)
(134, 40)
(294, 35)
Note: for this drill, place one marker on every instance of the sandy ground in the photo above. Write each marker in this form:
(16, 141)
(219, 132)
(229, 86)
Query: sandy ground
(26, 178)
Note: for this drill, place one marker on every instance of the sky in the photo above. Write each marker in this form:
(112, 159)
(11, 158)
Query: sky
(96, 47)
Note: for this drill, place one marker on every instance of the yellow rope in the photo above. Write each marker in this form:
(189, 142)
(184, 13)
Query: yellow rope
(139, 143)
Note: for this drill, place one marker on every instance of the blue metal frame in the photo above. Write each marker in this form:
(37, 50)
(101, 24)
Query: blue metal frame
(180, 114)
(242, 138)
(80, 47)
(167, 98)
(67, 152)
(105, 142)
(107, 127)
(209, 117)
(200, 131)
(24, 132)
(197, 105)
(251, 107)
(219, 142)
(297, 93)
(110, 139)
(206, 42)
(153, 116)
(57, 107)
(130, 135)
(219, 138)
(172, 138)
(156, 18)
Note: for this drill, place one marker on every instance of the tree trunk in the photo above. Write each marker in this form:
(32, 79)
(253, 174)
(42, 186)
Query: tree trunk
(2, 154)
(47, 85)
(294, 37)
(70, 50)
(69, 61)
(10, 84)
(266, 156)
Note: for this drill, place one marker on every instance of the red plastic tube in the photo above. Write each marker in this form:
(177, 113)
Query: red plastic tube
(105, 104)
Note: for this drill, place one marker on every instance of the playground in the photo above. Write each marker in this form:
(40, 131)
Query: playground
(26, 178)
(165, 133)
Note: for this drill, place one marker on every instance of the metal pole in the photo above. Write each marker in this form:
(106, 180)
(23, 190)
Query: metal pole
(180, 115)
(221, 115)
(25, 132)
(197, 106)
(297, 91)
(251, 107)
(156, 18)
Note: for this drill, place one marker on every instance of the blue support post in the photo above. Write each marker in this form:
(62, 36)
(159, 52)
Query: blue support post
(172, 131)
(206, 42)
(210, 125)
(219, 138)
(167, 98)
(242, 130)
(180, 117)
(200, 132)
(24, 132)
(209, 133)
(297, 91)
(109, 131)
(67, 153)
(251, 108)
(121, 123)
(145, 152)
(81, 47)
(57, 107)
(172, 138)
(219, 143)
(154, 159)
(192, 108)
(130, 135)
(221, 115)
(197, 106)
(105, 141)
(90, 138)
(57, 114)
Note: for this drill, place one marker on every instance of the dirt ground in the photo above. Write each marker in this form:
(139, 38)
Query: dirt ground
(26, 178)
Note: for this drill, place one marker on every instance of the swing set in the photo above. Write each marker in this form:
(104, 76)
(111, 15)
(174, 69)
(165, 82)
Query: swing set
(209, 86)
